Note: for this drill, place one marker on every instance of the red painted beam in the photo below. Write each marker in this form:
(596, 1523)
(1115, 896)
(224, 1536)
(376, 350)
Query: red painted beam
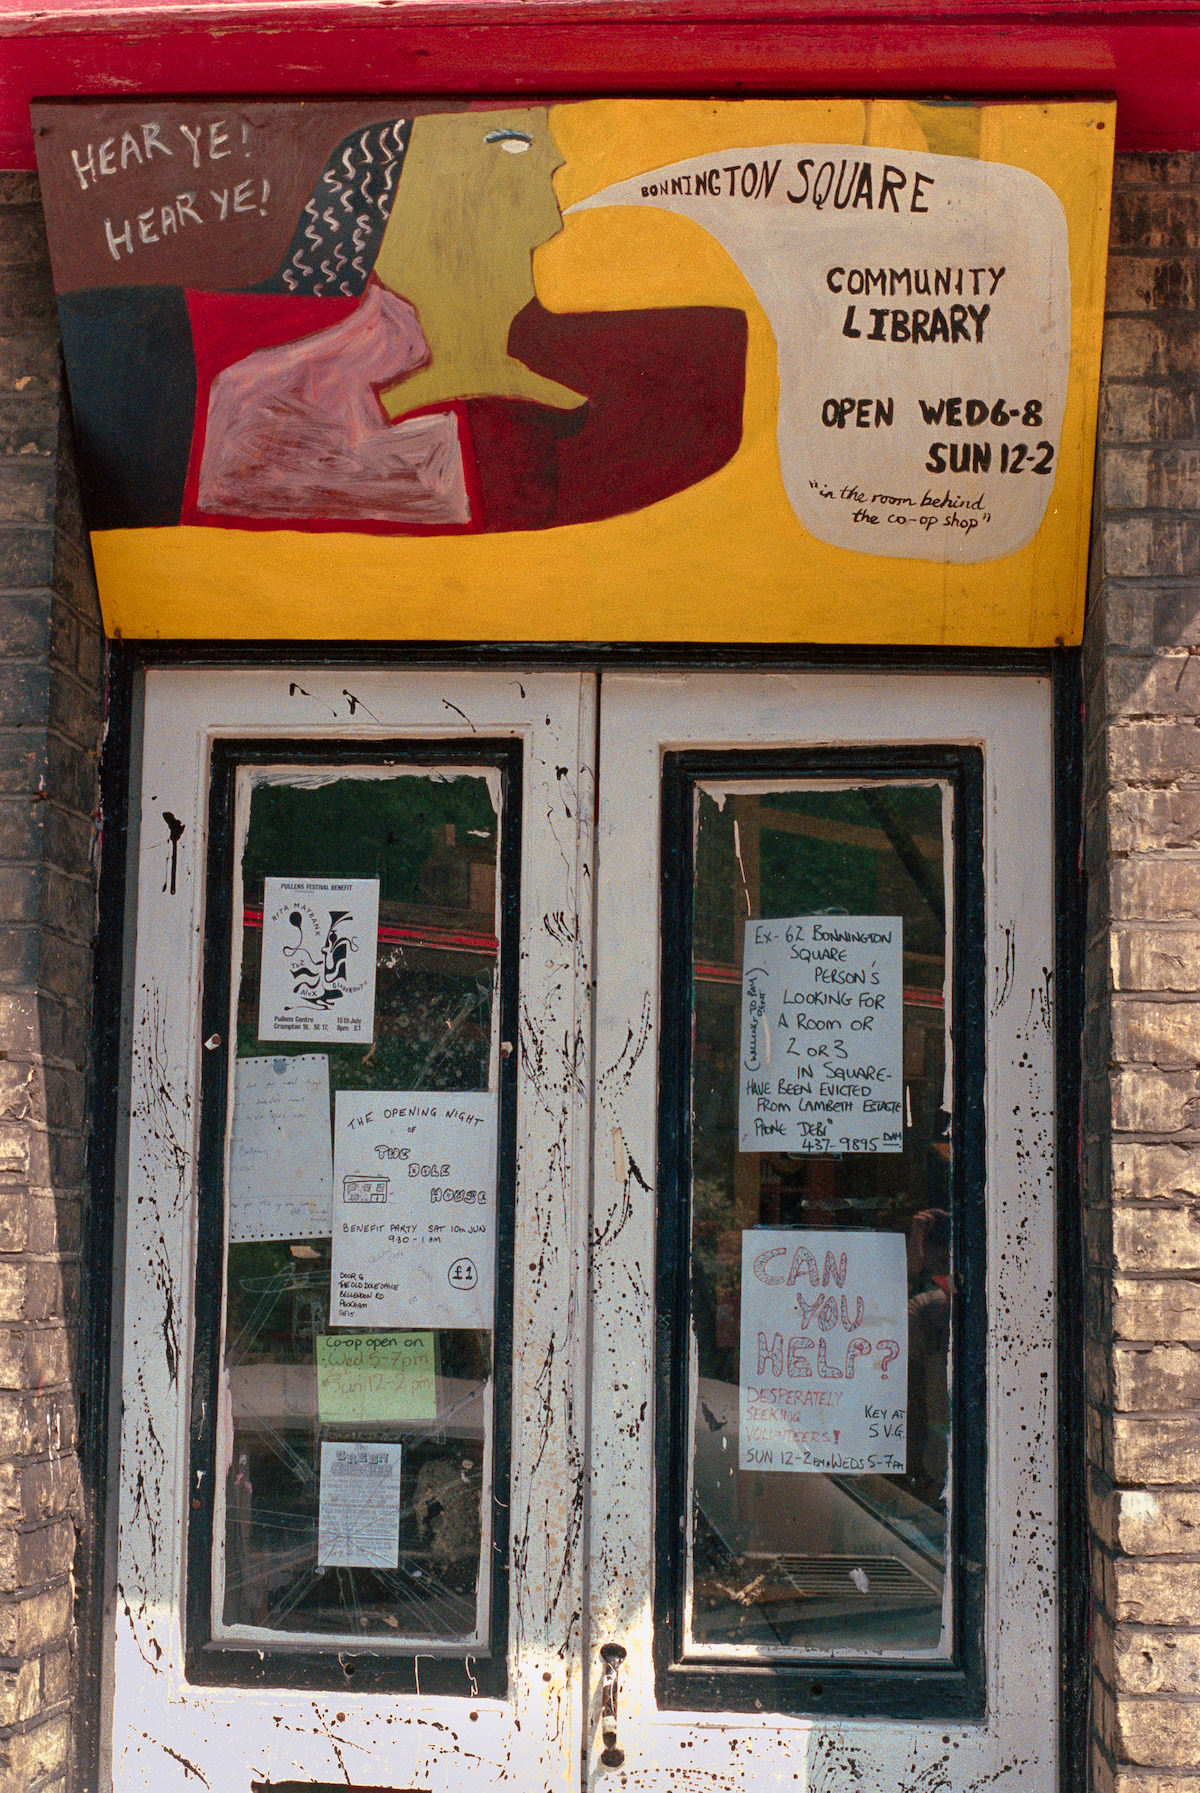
(110, 15)
(1148, 56)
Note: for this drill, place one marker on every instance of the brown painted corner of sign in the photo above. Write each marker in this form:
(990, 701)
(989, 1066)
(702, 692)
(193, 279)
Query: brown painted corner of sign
(284, 143)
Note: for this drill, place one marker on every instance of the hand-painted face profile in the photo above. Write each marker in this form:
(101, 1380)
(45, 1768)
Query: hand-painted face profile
(476, 197)
(445, 210)
(397, 373)
(476, 200)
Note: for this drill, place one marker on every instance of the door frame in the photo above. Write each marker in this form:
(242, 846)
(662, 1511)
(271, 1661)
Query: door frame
(894, 1690)
(99, 1340)
(713, 713)
(531, 1734)
(208, 1659)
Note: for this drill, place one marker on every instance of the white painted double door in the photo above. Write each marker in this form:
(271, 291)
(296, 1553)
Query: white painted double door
(584, 1491)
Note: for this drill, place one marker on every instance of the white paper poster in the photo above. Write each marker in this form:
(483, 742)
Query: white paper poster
(414, 1231)
(922, 310)
(280, 1149)
(822, 1062)
(823, 1383)
(358, 1517)
(319, 939)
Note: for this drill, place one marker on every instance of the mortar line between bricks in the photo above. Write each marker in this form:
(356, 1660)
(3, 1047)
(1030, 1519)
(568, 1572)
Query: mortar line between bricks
(24, 1727)
(72, 676)
(1145, 382)
(45, 929)
(35, 1589)
(1155, 1698)
(1142, 1137)
(1159, 1628)
(1161, 319)
(1186, 1276)
(1167, 924)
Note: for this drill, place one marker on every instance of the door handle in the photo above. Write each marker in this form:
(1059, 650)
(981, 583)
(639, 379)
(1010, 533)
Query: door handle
(612, 1656)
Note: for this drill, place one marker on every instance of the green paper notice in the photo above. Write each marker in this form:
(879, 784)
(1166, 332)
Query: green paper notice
(366, 1377)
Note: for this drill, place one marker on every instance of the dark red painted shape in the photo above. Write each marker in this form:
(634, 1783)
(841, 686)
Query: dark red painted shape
(665, 391)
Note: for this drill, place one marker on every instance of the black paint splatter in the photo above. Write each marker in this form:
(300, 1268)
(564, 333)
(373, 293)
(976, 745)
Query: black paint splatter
(175, 829)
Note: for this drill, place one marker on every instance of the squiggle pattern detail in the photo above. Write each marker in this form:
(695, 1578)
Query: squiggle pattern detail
(336, 241)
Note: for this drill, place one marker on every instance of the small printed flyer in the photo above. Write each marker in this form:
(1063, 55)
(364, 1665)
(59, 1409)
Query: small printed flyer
(823, 1382)
(280, 1144)
(822, 1059)
(319, 941)
(358, 1512)
(414, 1230)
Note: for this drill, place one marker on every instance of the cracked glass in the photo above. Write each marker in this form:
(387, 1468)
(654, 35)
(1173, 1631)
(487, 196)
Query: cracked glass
(847, 1559)
(354, 1463)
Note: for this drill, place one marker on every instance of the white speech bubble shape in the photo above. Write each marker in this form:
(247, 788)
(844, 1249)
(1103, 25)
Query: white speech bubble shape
(896, 282)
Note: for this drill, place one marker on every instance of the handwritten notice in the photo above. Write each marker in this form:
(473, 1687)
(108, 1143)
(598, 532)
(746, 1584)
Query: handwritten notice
(319, 938)
(414, 1234)
(280, 1149)
(824, 1352)
(358, 1513)
(922, 309)
(822, 1035)
(375, 1377)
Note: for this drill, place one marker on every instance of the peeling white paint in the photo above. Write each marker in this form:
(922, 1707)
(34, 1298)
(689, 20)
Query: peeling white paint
(1015, 1747)
(170, 1737)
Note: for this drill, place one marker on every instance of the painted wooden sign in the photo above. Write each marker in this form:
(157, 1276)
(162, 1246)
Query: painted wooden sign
(659, 370)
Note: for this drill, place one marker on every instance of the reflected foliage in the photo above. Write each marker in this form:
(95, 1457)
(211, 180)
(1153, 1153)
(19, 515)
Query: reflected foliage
(432, 841)
(817, 1562)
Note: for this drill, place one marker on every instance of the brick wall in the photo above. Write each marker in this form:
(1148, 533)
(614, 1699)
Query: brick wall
(50, 701)
(1142, 1098)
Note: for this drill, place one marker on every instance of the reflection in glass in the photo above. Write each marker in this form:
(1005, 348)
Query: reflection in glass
(804, 1563)
(431, 838)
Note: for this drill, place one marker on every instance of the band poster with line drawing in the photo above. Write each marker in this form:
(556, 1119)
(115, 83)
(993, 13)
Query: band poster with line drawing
(319, 942)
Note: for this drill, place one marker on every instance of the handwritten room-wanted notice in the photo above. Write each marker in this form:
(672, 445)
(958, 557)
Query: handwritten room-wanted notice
(823, 1382)
(822, 1035)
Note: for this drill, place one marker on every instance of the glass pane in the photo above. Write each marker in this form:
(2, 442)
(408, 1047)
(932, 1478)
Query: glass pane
(821, 1196)
(355, 1441)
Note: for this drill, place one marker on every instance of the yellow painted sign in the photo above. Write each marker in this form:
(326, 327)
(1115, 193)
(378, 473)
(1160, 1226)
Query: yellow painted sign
(619, 370)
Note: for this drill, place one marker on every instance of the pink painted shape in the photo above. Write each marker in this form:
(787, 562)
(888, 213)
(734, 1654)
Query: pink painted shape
(297, 431)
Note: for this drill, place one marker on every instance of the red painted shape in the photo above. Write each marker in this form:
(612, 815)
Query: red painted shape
(665, 392)
(225, 329)
(1147, 55)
